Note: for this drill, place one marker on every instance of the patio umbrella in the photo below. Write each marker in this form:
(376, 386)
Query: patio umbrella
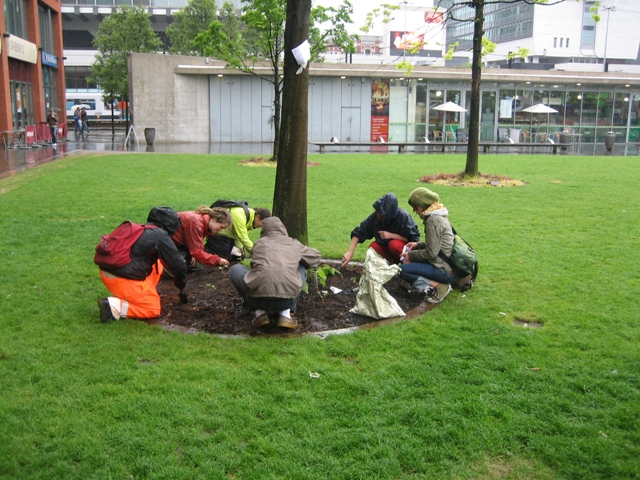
(539, 108)
(448, 107)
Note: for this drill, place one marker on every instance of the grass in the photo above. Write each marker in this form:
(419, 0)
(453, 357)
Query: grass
(458, 393)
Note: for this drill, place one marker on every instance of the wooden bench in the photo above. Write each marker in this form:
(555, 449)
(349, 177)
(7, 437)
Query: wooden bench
(444, 146)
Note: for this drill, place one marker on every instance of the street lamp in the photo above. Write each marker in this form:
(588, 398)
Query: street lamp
(609, 9)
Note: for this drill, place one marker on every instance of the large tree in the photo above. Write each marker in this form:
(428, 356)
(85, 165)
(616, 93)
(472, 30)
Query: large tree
(262, 39)
(193, 19)
(290, 193)
(477, 17)
(124, 31)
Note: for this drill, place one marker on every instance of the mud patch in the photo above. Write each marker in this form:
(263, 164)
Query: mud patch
(523, 322)
(215, 307)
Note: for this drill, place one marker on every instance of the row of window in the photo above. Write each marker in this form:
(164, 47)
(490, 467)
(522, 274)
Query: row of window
(562, 40)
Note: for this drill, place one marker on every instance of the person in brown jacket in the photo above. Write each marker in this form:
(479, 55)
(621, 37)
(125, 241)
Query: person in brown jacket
(278, 271)
(52, 120)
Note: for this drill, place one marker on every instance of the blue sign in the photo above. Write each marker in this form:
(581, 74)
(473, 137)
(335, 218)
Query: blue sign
(49, 60)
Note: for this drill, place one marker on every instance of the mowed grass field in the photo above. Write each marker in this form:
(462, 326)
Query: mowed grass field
(465, 391)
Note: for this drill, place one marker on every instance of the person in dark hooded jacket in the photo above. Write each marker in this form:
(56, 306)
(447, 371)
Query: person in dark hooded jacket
(134, 284)
(390, 226)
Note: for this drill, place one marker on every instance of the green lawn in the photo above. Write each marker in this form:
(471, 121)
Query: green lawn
(459, 393)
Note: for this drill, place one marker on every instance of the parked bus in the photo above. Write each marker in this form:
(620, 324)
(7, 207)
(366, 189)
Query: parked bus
(96, 108)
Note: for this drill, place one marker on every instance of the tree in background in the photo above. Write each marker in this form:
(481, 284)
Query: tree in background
(126, 30)
(262, 39)
(193, 19)
(471, 166)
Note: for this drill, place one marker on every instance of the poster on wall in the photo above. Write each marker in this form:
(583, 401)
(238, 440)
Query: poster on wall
(380, 109)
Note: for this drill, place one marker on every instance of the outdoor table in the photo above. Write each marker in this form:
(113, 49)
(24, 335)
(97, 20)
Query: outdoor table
(10, 136)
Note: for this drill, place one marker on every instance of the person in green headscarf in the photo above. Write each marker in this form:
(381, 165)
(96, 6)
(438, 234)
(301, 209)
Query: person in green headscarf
(422, 267)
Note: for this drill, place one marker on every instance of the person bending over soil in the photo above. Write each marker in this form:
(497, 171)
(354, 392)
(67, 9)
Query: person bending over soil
(194, 229)
(391, 226)
(134, 284)
(278, 271)
(422, 267)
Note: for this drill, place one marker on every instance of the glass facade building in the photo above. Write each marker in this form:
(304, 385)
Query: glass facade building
(586, 109)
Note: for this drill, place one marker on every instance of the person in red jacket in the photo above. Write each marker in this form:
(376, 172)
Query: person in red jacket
(194, 228)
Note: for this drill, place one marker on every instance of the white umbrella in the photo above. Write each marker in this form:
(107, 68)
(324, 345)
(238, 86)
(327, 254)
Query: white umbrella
(538, 108)
(448, 107)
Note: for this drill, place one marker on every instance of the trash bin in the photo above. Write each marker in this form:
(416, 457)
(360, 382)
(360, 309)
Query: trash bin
(565, 138)
(609, 140)
(149, 135)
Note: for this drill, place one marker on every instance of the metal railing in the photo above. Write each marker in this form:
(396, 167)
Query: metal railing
(118, 3)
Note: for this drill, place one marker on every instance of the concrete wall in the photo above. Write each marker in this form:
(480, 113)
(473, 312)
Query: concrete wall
(200, 105)
(177, 106)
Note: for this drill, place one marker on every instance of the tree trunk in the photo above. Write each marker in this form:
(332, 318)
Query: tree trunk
(276, 113)
(471, 167)
(290, 195)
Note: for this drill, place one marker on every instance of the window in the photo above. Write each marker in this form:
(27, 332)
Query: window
(567, 43)
(588, 26)
(555, 42)
(561, 39)
(76, 78)
(15, 14)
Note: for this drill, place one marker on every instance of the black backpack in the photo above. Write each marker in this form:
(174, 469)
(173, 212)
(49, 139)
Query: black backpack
(233, 203)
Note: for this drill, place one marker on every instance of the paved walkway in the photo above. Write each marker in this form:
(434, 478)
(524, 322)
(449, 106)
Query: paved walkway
(15, 160)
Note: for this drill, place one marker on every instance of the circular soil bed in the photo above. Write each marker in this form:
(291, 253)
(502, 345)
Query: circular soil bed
(215, 307)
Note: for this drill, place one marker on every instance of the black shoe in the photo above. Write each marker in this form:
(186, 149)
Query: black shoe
(196, 267)
(105, 310)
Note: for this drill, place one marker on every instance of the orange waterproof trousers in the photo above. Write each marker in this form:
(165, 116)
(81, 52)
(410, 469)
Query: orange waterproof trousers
(138, 298)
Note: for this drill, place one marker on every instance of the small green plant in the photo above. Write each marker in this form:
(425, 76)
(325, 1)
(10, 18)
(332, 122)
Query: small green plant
(210, 285)
(323, 271)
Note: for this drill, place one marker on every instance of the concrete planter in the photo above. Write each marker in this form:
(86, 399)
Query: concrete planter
(149, 135)
(609, 140)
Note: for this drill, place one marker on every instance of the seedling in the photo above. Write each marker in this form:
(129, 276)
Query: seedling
(323, 271)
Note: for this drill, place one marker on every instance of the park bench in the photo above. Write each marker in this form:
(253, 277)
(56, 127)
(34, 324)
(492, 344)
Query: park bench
(485, 147)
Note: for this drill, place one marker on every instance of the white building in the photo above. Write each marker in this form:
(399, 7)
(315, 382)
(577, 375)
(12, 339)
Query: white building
(562, 36)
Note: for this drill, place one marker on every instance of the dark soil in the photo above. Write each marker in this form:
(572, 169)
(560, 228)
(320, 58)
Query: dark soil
(214, 306)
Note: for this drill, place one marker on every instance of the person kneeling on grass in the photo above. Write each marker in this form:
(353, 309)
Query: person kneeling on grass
(134, 284)
(422, 267)
(194, 228)
(278, 271)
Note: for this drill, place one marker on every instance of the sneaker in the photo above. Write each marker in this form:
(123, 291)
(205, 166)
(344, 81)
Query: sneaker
(261, 320)
(105, 310)
(286, 322)
(439, 293)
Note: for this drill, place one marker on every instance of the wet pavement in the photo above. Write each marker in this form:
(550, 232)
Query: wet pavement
(15, 160)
